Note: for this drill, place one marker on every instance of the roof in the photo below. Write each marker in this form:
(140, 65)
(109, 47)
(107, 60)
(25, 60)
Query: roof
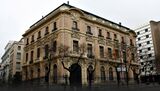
(88, 13)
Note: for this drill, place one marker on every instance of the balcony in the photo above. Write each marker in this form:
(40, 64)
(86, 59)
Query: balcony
(90, 56)
(108, 38)
(45, 57)
(75, 29)
(46, 33)
(101, 36)
(90, 33)
(31, 61)
(38, 37)
(54, 29)
(32, 41)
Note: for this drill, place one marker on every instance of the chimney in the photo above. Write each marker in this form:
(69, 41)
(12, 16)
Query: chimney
(68, 2)
(120, 24)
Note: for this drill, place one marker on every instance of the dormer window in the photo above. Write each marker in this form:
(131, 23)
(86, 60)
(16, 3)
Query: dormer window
(47, 30)
(89, 30)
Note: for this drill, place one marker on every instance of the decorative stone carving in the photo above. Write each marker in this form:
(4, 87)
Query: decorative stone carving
(89, 38)
(75, 35)
(109, 42)
(31, 46)
(101, 40)
(26, 49)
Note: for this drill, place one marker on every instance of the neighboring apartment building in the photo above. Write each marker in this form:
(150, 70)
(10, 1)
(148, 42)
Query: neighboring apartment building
(108, 44)
(1, 72)
(155, 28)
(16, 57)
(12, 59)
(146, 50)
(5, 61)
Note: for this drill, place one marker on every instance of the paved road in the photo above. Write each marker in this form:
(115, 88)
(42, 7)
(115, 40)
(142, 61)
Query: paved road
(141, 87)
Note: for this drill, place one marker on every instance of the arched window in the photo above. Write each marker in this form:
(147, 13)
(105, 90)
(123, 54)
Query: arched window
(55, 73)
(103, 77)
(110, 73)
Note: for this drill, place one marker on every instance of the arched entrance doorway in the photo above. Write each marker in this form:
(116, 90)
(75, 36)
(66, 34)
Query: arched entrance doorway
(75, 75)
(55, 73)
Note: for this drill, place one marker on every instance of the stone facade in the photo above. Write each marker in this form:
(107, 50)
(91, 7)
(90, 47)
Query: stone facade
(111, 44)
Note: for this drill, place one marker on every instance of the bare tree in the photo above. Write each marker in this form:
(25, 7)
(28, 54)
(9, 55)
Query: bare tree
(65, 52)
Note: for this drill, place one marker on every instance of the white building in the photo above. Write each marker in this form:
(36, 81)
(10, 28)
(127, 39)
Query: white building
(145, 49)
(5, 61)
(1, 73)
(12, 59)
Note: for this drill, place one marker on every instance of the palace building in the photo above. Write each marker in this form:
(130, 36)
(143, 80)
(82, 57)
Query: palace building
(110, 49)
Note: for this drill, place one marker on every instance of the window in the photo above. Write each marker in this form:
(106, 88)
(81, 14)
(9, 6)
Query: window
(19, 47)
(101, 50)
(131, 42)
(116, 55)
(149, 55)
(141, 63)
(38, 52)
(100, 33)
(18, 56)
(140, 51)
(46, 49)
(149, 48)
(31, 61)
(141, 57)
(32, 39)
(147, 36)
(103, 77)
(75, 46)
(110, 52)
(115, 36)
(27, 41)
(146, 30)
(18, 65)
(139, 45)
(139, 38)
(122, 38)
(124, 57)
(26, 57)
(138, 33)
(133, 56)
(89, 30)
(148, 42)
(47, 30)
(108, 35)
(75, 26)
(89, 51)
(110, 74)
(54, 26)
(39, 35)
(54, 46)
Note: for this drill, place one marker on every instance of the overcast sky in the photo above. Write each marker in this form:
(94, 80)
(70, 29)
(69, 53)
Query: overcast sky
(16, 16)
